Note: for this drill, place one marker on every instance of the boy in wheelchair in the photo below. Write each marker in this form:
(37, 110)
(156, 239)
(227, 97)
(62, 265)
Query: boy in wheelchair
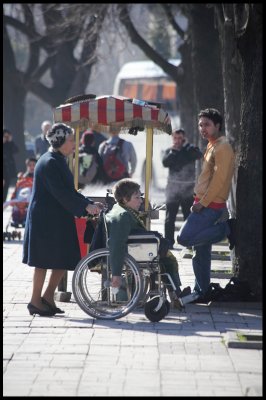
(123, 220)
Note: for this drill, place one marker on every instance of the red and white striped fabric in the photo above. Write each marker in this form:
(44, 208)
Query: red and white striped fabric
(105, 111)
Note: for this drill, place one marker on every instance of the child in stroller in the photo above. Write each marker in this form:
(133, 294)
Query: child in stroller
(21, 196)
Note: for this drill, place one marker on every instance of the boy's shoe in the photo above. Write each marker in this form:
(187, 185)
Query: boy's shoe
(185, 291)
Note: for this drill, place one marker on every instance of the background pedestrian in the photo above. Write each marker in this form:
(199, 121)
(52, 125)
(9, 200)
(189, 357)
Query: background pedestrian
(41, 144)
(9, 164)
(119, 157)
(180, 159)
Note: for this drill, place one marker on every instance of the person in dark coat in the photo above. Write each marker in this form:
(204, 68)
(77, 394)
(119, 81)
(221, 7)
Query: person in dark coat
(180, 158)
(50, 239)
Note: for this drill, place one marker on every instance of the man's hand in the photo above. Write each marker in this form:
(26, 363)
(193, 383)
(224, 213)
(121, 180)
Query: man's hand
(196, 208)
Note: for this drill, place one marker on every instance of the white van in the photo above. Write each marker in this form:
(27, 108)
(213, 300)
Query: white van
(145, 80)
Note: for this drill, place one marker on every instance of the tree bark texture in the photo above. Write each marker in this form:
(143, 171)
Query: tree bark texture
(249, 184)
(206, 61)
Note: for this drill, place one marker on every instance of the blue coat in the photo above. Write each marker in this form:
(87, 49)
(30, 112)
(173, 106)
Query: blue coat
(50, 238)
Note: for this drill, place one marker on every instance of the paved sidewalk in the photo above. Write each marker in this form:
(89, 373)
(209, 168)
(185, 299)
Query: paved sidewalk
(186, 354)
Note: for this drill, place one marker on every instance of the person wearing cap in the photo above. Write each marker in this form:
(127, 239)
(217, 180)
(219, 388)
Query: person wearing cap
(50, 238)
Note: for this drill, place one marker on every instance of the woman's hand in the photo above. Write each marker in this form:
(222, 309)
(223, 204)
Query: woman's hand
(93, 209)
(100, 205)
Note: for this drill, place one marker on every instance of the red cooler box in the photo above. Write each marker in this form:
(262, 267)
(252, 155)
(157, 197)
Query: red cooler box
(81, 226)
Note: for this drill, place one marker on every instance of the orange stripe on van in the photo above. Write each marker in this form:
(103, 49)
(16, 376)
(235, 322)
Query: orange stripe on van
(169, 91)
(149, 91)
(130, 91)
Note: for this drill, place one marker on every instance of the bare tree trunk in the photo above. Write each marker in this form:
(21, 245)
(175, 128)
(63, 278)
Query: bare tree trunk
(206, 61)
(249, 185)
(14, 99)
(186, 93)
(231, 68)
(14, 95)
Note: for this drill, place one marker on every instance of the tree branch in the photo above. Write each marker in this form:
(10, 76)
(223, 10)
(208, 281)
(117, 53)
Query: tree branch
(34, 49)
(43, 92)
(169, 68)
(175, 25)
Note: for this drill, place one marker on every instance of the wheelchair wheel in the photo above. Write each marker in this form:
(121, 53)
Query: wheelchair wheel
(156, 315)
(91, 286)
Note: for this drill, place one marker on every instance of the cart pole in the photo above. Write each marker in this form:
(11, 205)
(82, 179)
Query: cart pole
(148, 172)
(76, 170)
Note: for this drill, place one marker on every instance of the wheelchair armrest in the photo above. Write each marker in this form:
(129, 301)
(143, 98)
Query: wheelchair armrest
(143, 238)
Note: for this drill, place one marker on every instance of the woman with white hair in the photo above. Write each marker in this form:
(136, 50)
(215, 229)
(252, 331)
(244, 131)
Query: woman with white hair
(50, 239)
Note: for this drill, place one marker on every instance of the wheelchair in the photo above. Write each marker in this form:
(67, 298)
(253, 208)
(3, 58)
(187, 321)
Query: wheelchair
(143, 283)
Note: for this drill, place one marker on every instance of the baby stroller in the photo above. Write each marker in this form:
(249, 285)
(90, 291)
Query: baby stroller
(19, 206)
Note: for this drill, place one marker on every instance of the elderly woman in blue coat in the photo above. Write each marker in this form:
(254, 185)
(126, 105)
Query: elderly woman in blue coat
(123, 220)
(50, 239)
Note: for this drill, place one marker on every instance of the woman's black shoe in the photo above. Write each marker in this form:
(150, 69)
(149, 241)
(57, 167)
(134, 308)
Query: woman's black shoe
(43, 313)
(56, 310)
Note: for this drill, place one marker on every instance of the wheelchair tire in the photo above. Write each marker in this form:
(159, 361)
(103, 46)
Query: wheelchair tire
(92, 290)
(152, 314)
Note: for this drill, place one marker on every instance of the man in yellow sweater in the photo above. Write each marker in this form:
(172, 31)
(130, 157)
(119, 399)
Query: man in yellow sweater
(206, 225)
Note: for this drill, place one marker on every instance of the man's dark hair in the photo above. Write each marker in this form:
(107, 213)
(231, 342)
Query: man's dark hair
(178, 131)
(213, 114)
(6, 131)
(30, 159)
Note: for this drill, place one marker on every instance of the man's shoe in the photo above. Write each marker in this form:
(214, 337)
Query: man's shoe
(232, 235)
(201, 300)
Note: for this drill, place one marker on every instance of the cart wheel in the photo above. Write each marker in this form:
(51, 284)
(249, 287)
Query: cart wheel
(156, 316)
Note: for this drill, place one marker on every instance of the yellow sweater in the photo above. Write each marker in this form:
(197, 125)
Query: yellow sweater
(214, 181)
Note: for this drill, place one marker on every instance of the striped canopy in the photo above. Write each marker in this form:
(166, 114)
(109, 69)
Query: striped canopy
(102, 112)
